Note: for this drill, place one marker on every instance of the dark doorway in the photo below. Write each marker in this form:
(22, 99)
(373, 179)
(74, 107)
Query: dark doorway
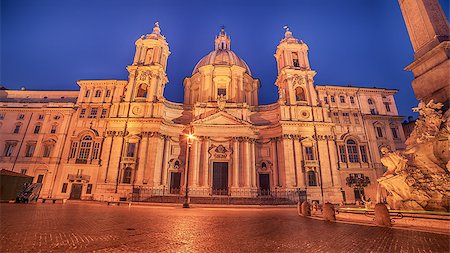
(264, 184)
(175, 181)
(359, 193)
(76, 191)
(220, 178)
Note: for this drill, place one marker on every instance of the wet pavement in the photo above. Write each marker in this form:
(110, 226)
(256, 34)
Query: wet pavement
(85, 226)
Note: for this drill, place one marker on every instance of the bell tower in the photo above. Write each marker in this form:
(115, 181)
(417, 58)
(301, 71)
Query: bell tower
(147, 75)
(295, 78)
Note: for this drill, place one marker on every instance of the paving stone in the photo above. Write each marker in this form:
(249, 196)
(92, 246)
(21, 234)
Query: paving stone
(82, 226)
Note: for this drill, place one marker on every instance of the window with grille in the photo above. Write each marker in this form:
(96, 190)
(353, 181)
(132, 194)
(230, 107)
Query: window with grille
(342, 99)
(73, 150)
(108, 93)
(131, 149)
(93, 113)
(37, 129)
(98, 93)
(295, 61)
(333, 99)
(9, 148)
(30, 150)
(352, 100)
(64, 188)
(47, 151)
(363, 153)
(104, 112)
(95, 150)
(379, 131)
(312, 180)
(342, 154)
(394, 132)
(82, 113)
(309, 152)
(53, 129)
(126, 176)
(85, 149)
(352, 150)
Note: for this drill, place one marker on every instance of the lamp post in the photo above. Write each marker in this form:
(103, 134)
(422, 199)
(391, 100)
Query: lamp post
(190, 139)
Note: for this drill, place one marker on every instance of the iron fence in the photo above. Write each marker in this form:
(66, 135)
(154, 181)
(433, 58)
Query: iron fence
(275, 196)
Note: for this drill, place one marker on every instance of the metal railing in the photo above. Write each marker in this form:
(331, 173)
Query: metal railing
(275, 196)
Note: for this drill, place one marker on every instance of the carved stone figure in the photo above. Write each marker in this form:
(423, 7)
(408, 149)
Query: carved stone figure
(419, 178)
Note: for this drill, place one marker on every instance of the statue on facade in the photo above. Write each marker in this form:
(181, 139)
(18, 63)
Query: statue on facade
(418, 178)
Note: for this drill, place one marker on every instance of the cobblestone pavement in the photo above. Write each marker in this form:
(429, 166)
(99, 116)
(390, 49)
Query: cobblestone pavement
(85, 226)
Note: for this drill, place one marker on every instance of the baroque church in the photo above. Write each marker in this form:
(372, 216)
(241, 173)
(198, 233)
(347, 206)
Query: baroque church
(115, 138)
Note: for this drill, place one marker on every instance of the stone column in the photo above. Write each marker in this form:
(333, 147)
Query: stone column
(142, 159)
(195, 163)
(158, 161)
(165, 165)
(288, 162)
(114, 159)
(247, 179)
(298, 163)
(273, 156)
(252, 163)
(334, 160)
(235, 162)
(205, 162)
(106, 156)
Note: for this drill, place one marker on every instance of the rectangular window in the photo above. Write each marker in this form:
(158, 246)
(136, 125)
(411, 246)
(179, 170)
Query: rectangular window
(95, 150)
(9, 148)
(373, 112)
(89, 189)
(394, 132)
(108, 93)
(37, 129)
(295, 61)
(47, 151)
(73, 150)
(98, 93)
(64, 188)
(41, 117)
(2, 116)
(388, 107)
(353, 155)
(336, 117)
(85, 150)
(23, 171)
(53, 130)
(17, 129)
(332, 99)
(131, 149)
(325, 99)
(352, 100)
(309, 152)
(342, 154)
(82, 113)
(21, 116)
(104, 112)
(40, 179)
(342, 99)
(379, 131)
(221, 92)
(346, 116)
(30, 150)
(87, 93)
(93, 113)
(363, 153)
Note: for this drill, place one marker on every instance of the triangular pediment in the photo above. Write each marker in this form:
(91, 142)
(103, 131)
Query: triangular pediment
(221, 118)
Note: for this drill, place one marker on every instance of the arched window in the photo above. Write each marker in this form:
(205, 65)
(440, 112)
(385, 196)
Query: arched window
(126, 179)
(312, 181)
(342, 99)
(263, 166)
(300, 94)
(295, 61)
(352, 149)
(84, 150)
(98, 93)
(142, 91)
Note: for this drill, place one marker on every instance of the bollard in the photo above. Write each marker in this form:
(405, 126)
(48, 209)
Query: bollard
(382, 217)
(328, 212)
(306, 209)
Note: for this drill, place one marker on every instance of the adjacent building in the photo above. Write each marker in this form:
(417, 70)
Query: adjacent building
(113, 138)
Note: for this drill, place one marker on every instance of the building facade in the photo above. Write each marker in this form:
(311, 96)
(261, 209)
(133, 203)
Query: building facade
(115, 137)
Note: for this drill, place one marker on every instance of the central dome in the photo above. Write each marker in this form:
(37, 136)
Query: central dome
(222, 55)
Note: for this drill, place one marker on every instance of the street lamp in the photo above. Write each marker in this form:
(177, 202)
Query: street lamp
(190, 139)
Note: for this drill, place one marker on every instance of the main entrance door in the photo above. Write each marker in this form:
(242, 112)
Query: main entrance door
(220, 178)
(264, 184)
(75, 193)
(175, 180)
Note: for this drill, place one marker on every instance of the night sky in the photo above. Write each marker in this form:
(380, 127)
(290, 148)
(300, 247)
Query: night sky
(52, 44)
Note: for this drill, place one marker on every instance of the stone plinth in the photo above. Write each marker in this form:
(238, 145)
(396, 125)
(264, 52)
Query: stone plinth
(382, 217)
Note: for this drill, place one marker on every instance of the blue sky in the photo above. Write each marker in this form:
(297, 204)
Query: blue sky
(52, 44)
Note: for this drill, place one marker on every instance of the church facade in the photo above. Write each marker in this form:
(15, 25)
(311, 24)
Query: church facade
(113, 138)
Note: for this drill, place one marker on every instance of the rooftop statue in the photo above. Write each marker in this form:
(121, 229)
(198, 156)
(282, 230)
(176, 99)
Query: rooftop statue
(418, 178)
